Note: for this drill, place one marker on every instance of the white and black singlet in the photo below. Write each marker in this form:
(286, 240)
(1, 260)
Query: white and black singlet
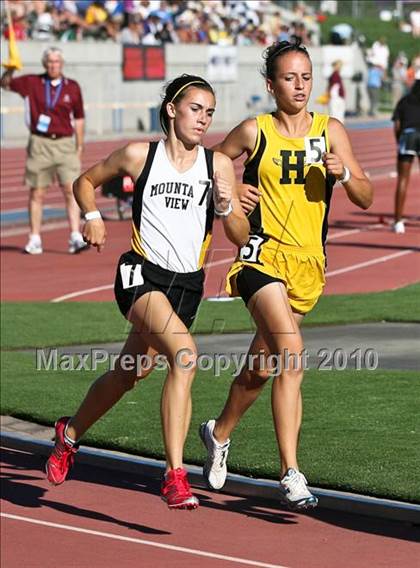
(172, 220)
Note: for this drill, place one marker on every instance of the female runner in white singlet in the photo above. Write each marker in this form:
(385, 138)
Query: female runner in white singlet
(159, 282)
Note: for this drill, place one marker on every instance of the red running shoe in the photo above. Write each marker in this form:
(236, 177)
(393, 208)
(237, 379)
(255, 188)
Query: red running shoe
(176, 490)
(62, 456)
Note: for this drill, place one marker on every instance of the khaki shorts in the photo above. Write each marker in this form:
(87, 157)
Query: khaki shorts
(48, 158)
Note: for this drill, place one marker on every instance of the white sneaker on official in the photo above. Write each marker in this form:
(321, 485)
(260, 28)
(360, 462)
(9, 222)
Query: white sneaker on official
(214, 469)
(294, 491)
(399, 227)
(34, 245)
(76, 243)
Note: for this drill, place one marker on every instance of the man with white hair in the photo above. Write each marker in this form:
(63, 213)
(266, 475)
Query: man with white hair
(52, 101)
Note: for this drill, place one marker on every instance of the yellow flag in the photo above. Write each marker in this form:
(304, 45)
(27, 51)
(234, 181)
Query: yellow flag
(14, 61)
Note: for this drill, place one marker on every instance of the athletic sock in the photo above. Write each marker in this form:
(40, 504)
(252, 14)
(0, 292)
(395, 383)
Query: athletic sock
(35, 238)
(76, 236)
(69, 441)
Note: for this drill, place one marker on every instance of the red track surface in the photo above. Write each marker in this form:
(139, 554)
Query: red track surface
(356, 237)
(126, 506)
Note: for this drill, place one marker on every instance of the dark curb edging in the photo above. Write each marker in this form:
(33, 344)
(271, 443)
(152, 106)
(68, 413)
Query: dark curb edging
(235, 485)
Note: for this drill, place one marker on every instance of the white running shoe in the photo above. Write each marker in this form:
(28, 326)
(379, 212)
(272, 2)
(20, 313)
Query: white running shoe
(214, 469)
(399, 227)
(76, 243)
(294, 491)
(34, 245)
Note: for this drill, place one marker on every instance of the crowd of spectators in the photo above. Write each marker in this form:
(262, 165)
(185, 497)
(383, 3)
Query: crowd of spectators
(153, 22)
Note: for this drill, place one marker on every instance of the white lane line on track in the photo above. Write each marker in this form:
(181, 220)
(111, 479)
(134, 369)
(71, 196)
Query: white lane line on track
(368, 263)
(50, 203)
(174, 548)
(49, 196)
(81, 293)
(348, 232)
(16, 231)
(110, 286)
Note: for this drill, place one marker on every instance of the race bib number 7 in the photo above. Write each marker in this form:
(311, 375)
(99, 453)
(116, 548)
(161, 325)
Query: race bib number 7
(131, 275)
(314, 148)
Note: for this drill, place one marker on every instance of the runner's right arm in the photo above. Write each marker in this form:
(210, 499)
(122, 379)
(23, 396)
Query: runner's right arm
(128, 160)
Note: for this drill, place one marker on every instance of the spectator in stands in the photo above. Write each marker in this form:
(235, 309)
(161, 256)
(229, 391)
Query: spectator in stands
(167, 34)
(245, 36)
(261, 37)
(115, 9)
(96, 14)
(202, 29)
(133, 33)
(275, 22)
(299, 33)
(284, 34)
(20, 25)
(96, 20)
(45, 24)
(164, 21)
(71, 22)
(54, 101)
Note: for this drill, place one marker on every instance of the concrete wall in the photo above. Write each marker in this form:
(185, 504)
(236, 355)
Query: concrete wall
(97, 67)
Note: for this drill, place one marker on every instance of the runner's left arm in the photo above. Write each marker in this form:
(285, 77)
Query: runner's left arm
(358, 188)
(240, 140)
(225, 196)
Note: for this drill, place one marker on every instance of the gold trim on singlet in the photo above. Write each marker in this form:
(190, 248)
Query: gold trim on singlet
(136, 241)
(204, 249)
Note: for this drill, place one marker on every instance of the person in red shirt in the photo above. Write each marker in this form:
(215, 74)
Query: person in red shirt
(52, 101)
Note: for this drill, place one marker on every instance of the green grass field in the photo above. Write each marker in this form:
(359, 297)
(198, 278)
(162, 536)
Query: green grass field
(42, 324)
(361, 430)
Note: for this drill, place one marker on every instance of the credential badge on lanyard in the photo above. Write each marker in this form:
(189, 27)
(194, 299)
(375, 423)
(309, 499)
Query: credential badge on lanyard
(44, 120)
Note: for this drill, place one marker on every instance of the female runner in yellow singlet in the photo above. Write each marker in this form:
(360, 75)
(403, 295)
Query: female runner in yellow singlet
(294, 157)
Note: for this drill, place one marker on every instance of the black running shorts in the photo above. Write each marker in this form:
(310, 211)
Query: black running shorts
(136, 276)
(249, 281)
(409, 145)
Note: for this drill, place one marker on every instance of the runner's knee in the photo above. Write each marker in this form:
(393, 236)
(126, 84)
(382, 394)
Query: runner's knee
(290, 376)
(255, 377)
(184, 360)
(128, 376)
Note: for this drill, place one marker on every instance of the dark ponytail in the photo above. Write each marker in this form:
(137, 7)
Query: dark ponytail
(278, 49)
(176, 90)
